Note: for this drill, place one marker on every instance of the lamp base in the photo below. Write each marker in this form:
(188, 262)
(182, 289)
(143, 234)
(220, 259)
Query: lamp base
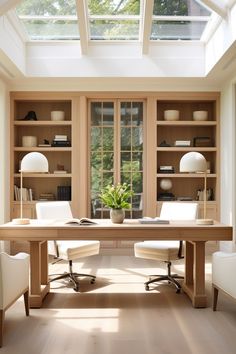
(204, 221)
(21, 221)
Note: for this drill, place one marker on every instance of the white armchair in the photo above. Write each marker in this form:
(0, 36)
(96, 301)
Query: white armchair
(223, 275)
(17, 268)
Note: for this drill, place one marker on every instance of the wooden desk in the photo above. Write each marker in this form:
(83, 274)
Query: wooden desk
(37, 233)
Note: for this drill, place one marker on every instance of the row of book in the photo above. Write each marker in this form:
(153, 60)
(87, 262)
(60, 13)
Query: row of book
(63, 193)
(27, 194)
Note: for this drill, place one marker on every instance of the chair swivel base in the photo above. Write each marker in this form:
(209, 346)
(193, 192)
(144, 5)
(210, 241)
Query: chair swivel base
(170, 278)
(73, 277)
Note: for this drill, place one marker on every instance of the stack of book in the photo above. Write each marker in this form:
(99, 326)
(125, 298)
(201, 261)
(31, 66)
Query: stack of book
(183, 143)
(166, 169)
(61, 141)
(46, 196)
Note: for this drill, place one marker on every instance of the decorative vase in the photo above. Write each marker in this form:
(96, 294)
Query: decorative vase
(117, 216)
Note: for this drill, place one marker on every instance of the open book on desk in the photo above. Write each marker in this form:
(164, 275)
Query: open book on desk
(156, 220)
(82, 221)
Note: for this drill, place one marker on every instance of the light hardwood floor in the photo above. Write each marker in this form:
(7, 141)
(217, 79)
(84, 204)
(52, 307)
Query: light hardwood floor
(117, 316)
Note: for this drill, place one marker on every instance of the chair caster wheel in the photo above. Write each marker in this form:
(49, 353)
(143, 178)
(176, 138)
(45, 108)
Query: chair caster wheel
(178, 291)
(146, 287)
(76, 288)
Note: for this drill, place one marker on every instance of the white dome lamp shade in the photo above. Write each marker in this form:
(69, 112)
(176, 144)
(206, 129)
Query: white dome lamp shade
(34, 162)
(193, 162)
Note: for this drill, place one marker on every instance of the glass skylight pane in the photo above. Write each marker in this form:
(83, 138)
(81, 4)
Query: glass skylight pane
(174, 30)
(46, 8)
(179, 8)
(49, 19)
(52, 29)
(114, 7)
(114, 30)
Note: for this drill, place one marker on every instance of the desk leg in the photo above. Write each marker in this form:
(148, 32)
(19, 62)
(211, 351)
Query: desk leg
(194, 284)
(39, 286)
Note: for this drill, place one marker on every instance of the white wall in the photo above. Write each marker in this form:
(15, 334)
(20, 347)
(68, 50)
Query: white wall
(4, 157)
(228, 165)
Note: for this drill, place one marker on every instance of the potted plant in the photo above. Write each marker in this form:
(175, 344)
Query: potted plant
(117, 198)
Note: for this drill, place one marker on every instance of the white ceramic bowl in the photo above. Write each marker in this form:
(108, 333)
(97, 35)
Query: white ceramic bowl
(29, 141)
(171, 114)
(57, 115)
(200, 115)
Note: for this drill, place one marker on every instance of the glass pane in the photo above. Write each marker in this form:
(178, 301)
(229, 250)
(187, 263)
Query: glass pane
(137, 182)
(114, 29)
(96, 136)
(125, 161)
(46, 7)
(96, 113)
(126, 177)
(126, 139)
(179, 8)
(49, 20)
(114, 7)
(137, 138)
(96, 162)
(137, 201)
(137, 161)
(108, 138)
(96, 183)
(137, 113)
(52, 29)
(108, 161)
(125, 113)
(173, 30)
(107, 178)
(108, 113)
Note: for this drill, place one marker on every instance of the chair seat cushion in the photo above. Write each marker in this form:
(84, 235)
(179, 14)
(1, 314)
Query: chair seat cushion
(157, 250)
(70, 250)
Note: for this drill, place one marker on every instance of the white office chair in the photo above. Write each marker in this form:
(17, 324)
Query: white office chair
(14, 282)
(167, 251)
(67, 250)
(223, 275)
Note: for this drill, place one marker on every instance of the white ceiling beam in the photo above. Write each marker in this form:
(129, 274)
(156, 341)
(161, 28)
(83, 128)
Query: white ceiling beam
(147, 25)
(6, 5)
(83, 24)
(216, 6)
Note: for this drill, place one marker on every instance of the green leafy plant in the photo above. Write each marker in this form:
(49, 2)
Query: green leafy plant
(116, 197)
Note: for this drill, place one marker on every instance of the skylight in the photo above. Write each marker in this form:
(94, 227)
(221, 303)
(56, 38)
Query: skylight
(113, 20)
(178, 20)
(49, 20)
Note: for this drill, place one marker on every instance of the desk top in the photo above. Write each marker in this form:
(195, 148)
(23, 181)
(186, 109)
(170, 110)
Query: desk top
(104, 229)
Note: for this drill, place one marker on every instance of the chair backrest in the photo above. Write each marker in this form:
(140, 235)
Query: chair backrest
(179, 211)
(53, 210)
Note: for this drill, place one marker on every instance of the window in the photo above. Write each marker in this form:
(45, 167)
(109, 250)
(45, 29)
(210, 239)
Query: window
(116, 151)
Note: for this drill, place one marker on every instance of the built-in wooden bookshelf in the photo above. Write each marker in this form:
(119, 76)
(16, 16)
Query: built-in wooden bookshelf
(76, 158)
(185, 185)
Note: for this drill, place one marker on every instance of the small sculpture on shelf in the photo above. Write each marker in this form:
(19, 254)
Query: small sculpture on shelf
(166, 185)
(31, 115)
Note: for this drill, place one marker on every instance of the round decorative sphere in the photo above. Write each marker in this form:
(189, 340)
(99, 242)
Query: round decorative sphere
(165, 184)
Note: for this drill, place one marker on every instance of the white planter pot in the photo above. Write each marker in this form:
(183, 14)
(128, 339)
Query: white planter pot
(117, 216)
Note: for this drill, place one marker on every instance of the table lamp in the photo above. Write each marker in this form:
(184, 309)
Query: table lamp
(34, 162)
(196, 162)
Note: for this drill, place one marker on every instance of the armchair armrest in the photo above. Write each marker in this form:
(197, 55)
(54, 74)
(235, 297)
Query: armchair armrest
(14, 277)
